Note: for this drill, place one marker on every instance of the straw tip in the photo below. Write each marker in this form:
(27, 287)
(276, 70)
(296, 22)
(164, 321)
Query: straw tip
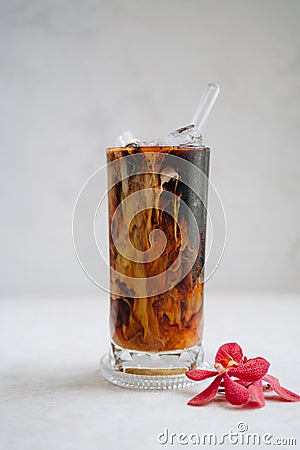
(214, 86)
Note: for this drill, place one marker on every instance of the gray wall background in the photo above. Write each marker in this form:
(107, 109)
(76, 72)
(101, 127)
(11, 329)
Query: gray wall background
(75, 74)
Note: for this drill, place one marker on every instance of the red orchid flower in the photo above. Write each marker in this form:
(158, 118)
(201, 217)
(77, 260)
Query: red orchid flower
(241, 378)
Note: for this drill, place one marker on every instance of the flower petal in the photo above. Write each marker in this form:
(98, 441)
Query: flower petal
(257, 393)
(199, 375)
(208, 394)
(253, 369)
(280, 390)
(243, 383)
(228, 351)
(235, 393)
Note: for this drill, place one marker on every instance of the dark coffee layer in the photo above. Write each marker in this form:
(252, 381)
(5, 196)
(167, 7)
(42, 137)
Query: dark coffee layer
(172, 320)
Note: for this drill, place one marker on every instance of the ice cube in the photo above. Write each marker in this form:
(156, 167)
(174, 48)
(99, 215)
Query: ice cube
(185, 136)
(127, 138)
(188, 136)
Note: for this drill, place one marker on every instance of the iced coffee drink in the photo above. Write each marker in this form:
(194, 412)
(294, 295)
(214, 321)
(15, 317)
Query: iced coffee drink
(157, 211)
(172, 320)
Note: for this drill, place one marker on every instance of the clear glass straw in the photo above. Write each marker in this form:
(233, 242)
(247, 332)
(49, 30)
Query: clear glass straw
(206, 103)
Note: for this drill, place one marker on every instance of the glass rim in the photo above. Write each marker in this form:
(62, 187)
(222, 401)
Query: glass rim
(156, 148)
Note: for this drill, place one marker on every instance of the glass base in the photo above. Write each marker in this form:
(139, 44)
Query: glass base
(152, 371)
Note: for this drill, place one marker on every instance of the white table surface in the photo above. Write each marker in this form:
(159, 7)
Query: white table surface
(53, 396)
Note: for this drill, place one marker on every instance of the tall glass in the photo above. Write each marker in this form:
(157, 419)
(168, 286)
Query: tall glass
(156, 329)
